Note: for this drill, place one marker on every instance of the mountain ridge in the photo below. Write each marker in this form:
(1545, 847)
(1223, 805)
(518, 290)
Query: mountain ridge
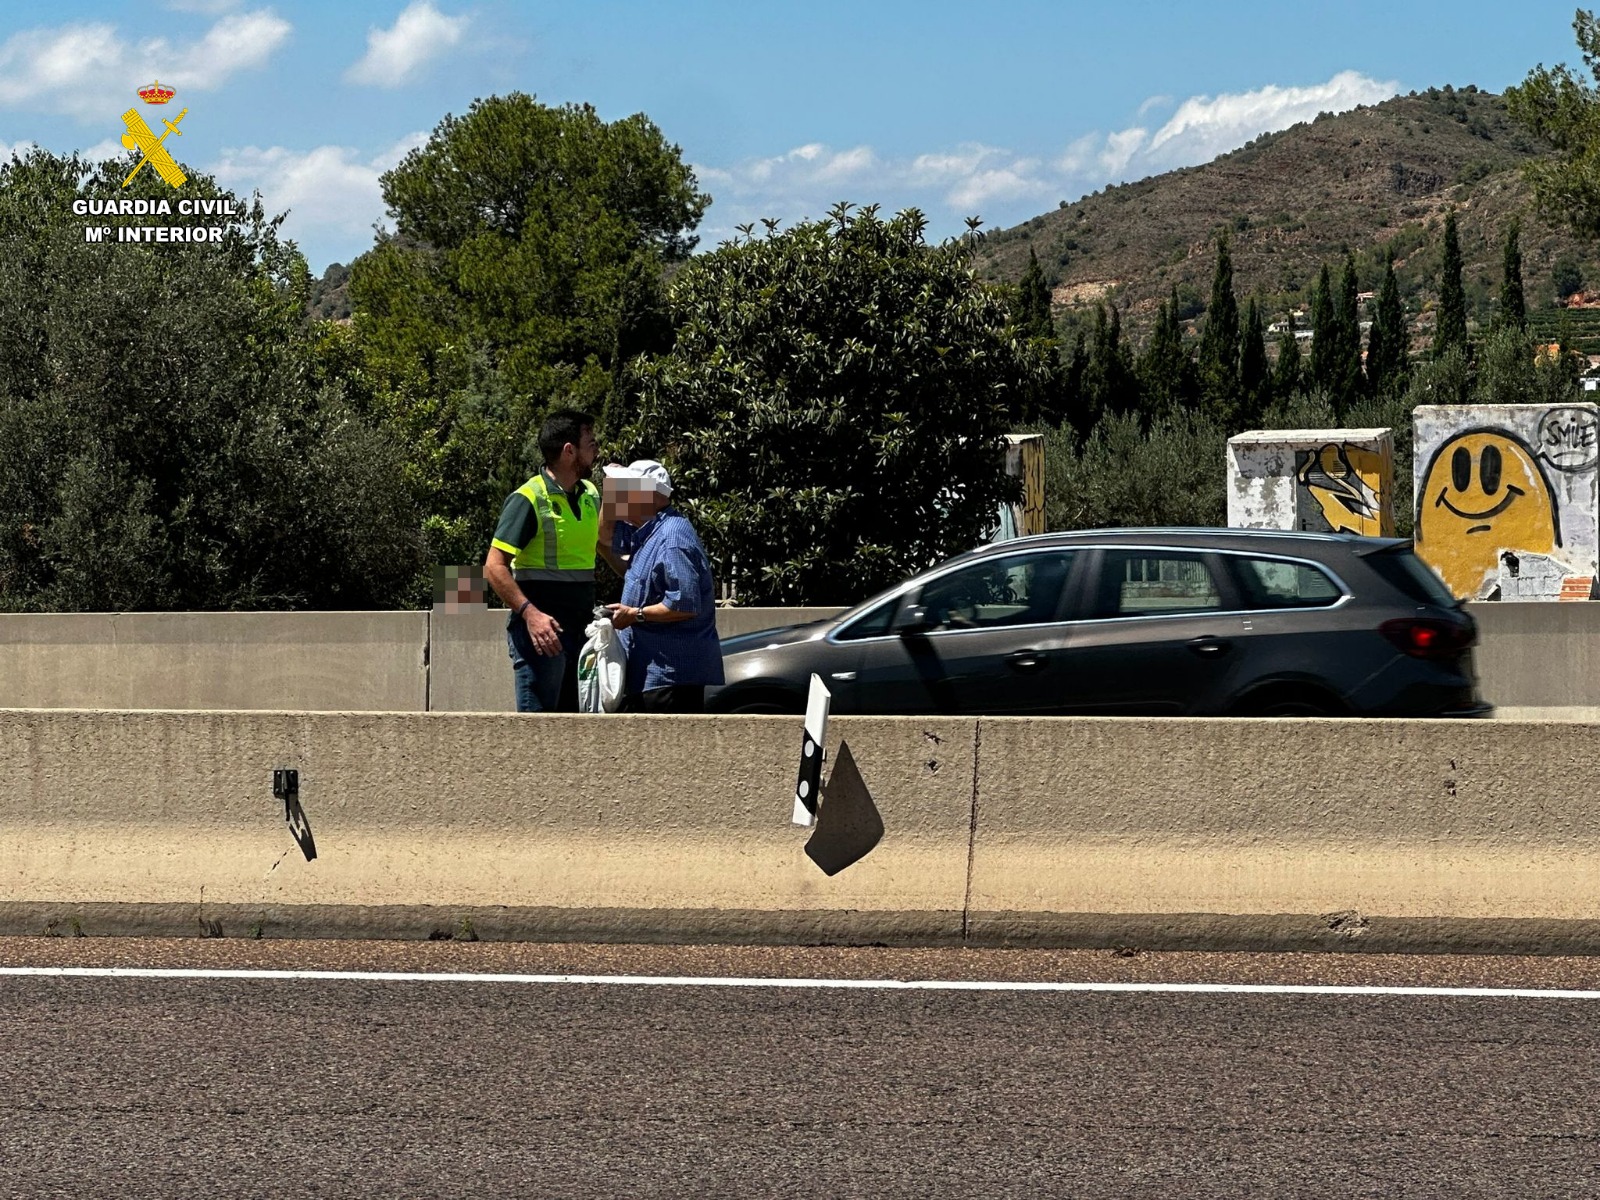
(1362, 181)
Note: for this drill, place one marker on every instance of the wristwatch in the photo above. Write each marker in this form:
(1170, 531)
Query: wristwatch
(638, 614)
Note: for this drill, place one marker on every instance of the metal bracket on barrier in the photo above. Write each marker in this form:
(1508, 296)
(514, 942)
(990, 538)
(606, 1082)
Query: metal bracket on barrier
(286, 787)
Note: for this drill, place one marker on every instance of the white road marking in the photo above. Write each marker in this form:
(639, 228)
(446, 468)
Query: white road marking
(723, 981)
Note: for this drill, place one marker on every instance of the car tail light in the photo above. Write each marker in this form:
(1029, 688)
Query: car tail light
(1425, 637)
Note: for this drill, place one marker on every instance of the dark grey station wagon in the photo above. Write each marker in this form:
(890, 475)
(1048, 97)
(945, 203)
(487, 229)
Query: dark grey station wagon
(1135, 621)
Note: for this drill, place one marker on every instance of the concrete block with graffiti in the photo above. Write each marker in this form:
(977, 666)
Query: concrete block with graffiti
(1320, 480)
(1507, 499)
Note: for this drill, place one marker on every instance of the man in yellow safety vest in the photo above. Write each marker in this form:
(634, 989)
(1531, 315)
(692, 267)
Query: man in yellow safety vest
(541, 563)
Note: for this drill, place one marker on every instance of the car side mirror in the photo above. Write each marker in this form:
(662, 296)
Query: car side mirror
(912, 620)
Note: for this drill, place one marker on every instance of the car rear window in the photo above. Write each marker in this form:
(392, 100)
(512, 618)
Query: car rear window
(1402, 569)
(1280, 583)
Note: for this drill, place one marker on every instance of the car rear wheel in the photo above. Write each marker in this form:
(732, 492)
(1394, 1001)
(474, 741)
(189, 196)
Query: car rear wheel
(1289, 702)
(1294, 708)
(770, 705)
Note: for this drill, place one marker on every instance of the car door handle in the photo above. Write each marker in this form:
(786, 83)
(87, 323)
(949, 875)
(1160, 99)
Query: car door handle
(1025, 660)
(1209, 647)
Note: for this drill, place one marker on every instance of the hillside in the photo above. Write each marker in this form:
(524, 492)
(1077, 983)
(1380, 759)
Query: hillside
(1361, 181)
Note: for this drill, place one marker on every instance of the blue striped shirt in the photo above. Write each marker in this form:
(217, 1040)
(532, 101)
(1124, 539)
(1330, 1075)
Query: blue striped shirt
(669, 566)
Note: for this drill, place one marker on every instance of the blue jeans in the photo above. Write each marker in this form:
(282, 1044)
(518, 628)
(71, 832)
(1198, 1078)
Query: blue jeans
(542, 680)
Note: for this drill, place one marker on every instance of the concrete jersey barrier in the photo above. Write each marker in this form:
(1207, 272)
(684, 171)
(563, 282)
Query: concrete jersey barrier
(636, 828)
(224, 660)
(1531, 656)
(1393, 835)
(1360, 834)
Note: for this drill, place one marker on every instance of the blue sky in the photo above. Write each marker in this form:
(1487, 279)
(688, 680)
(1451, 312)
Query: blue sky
(1000, 110)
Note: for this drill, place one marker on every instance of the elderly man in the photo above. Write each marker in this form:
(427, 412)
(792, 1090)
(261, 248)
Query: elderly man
(668, 610)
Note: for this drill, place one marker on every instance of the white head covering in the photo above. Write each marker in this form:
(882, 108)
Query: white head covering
(649, 468)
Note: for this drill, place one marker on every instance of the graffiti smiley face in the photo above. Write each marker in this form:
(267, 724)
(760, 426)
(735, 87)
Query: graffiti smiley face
(1483, 493)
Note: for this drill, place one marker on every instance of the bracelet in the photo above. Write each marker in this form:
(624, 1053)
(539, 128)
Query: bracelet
(521, 608)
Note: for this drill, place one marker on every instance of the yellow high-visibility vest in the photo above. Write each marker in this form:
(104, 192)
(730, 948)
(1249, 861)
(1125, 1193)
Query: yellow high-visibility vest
(563, 549)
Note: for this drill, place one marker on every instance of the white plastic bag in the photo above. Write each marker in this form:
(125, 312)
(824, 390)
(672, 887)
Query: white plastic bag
(602, 666)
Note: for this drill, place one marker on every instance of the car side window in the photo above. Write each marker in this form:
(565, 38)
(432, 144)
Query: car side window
(1016, 589)
(1274, 583)
(873, 623)
(1136, 583)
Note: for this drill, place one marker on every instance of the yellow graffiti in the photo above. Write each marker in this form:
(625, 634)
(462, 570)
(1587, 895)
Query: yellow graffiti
(1032, 486)
(1350, 485)
(1483, 493)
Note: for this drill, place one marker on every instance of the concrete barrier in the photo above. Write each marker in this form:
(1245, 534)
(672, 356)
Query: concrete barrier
(1532, 658)
(1211, 834)
(617, 828)
(1205, 834)
(323, 661)
(1539, 655)
(470, 669)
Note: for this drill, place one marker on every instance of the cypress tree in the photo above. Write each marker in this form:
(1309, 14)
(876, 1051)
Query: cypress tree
(1219, 343)
(1255, 379)
(1324, 337)
(1451, 330)
(1074, 400)
(1095, 386)
(1513, 312)
(1166, 373)
(1348, 380)
(1286, 379)
(1034, 314)
(1388, 364)
(1118, 380)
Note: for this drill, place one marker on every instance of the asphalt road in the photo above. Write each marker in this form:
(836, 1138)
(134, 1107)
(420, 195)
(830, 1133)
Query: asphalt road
(283, 1087)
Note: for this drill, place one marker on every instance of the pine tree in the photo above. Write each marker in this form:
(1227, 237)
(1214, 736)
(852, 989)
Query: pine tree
(1219, 343)
(1286, 380)
(1324, 338)
(1451, 330)
(1348, 382)
(1255, 378)
(1034, 308)
(1513, 312)
(1388, 364)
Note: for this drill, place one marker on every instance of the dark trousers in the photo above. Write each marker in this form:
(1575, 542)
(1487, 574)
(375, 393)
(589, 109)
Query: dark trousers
(679, 698)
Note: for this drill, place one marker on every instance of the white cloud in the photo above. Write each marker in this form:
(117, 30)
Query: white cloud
(102, 150)
(1206, 126)
(952, 182)
(232, 44)
(803, 183)
(1120, 149)
(87, 69)
(326, 190)
(395, 55)
(208, 8)
(1077, 156)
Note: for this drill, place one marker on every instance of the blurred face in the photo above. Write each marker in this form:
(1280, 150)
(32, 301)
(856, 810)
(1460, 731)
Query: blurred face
(637, 500)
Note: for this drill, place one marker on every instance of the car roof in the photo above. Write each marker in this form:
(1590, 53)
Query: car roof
(1280, 541)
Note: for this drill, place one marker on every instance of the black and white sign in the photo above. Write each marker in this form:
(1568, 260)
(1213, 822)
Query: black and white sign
(809, 785)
